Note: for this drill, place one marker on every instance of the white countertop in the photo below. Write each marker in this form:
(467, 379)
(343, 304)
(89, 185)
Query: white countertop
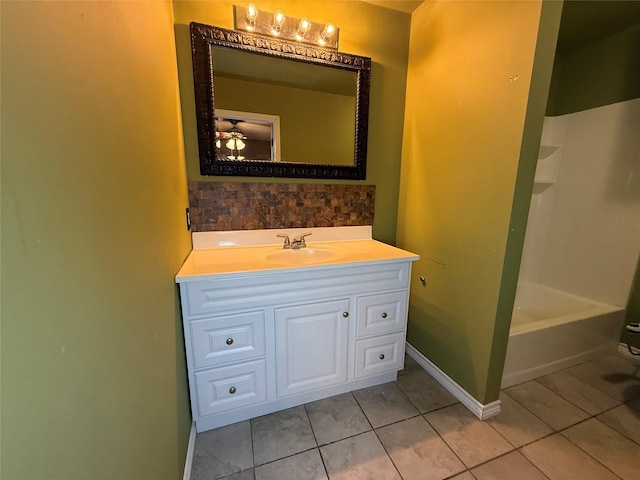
(245, 254)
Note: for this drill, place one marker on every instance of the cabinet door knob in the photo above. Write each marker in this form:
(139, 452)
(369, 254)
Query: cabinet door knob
(384, 314)
(345, 314)
(382, 356)
(229, 341)
(232, 390)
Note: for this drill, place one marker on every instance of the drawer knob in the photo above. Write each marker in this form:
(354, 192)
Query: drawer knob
(382, 356)
(384, 314)
(229, 341)
(345, 314)
(232, 390)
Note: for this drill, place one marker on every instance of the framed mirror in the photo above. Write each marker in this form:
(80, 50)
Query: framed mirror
(319, 97)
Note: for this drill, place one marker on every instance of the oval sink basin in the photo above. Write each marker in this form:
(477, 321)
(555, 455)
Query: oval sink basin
(302, 256)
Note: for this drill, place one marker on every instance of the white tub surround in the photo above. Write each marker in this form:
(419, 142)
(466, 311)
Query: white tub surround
(268, 328)
(582, 242)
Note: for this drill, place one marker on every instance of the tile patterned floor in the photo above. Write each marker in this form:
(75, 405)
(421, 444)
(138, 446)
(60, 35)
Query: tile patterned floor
(582, 423)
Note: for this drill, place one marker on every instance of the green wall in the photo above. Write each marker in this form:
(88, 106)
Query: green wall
(469, 79)
(361, 26)
(599, 73)
(93, 197)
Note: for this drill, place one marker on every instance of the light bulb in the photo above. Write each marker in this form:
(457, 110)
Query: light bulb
(278, 21)
(327, 32)
(303, 28)
(252, 14)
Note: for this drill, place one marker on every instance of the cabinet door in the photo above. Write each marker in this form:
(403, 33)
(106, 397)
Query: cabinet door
(311, 346)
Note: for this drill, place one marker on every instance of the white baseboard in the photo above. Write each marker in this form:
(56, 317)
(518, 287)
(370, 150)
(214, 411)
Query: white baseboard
(188, 462)
(483, 412)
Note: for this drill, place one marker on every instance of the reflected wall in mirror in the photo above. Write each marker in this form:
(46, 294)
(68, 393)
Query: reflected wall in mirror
(320, 96)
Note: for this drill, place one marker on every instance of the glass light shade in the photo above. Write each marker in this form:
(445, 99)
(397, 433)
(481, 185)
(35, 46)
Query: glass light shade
(278, 21)
(252, 12)
(327, 32)
(235, 143)
(303, 27)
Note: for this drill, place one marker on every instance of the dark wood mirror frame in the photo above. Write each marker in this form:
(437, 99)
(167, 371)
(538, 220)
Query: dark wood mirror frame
(204, 37)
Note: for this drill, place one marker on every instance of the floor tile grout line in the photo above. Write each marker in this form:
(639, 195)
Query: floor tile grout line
(467, 468)
(580, 380)
(515, 450)
(592, 457)
(253, 450)
(315, 439)
(567, 370)
(555, 429)
(569, 400)
(388, 454)
(583, 450)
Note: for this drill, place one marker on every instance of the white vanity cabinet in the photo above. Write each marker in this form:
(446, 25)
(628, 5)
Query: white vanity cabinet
(265, 339)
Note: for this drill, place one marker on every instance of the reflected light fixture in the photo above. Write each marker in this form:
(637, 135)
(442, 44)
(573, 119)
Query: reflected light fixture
(277, 24)
(234, 141)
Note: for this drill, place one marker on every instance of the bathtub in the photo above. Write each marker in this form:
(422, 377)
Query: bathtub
(552, 330)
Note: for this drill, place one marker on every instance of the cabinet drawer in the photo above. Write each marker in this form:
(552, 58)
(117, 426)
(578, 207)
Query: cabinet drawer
(379, 354)
(228, 338)
(383, 313)
(226, 388)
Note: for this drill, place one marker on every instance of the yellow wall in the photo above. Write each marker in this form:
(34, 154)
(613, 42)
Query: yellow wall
(93, 232)
(470, 70)
(366, 30)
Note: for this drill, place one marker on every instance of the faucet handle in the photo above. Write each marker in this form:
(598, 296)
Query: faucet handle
(287, 243)
(301, 240)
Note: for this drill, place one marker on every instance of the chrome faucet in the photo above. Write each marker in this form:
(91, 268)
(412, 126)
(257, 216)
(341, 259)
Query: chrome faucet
(299, 242)
(296, 243)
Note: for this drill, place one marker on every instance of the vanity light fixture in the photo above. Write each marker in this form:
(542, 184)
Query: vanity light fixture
(277, 24)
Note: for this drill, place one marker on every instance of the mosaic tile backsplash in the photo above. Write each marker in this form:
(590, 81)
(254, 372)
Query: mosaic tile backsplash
(251, 206)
